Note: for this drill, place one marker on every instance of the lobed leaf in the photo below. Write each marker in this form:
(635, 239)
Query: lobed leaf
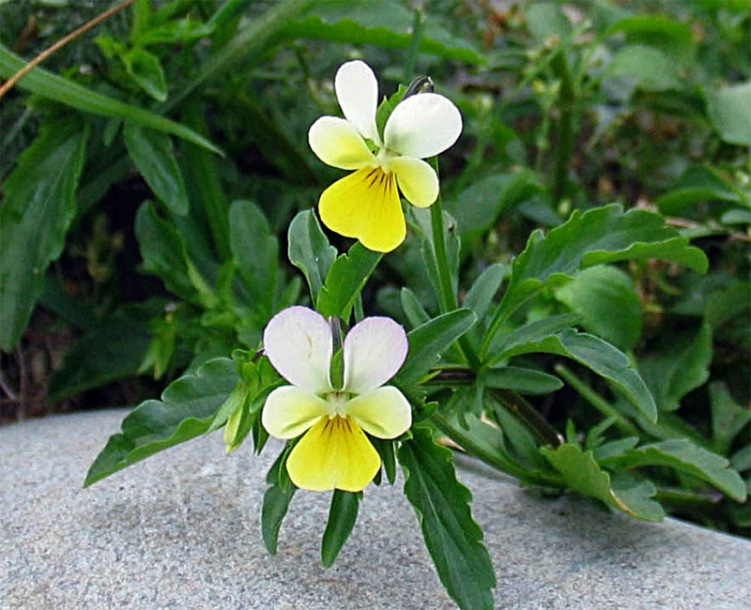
(681, 454)
(600, 357)
(598, 236)
(583, 474)
(186, 410)
(452, 538)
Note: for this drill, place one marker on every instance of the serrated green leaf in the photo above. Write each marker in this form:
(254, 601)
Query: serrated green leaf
(678, 365)
(429, 341)
(342, 518)
(607, 302)
(186, 410)
(583, 475)
(598, 236)
(683, 455)
(388, 27)
(255, 250)
(345, 280)
(64, 91)
(309, 250)
(113, 348)
(152, 155)
(38, 208)
(452, 538)
(600, 357)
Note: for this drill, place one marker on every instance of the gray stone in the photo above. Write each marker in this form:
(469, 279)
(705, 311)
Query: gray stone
(181, 530)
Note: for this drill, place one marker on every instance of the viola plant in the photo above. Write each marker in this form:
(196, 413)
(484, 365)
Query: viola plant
(350, 408)
(366, 204)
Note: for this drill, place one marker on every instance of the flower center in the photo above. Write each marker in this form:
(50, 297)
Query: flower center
(337, 401)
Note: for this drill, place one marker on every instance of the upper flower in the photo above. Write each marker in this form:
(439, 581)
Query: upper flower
(366, 204)
(334, 451)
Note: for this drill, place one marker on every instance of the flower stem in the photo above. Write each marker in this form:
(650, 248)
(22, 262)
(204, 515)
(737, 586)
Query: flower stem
(529, 416)
(447, 295)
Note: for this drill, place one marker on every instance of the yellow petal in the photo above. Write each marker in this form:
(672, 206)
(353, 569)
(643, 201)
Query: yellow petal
(365, 205)
(333, 454)
(383, 413)
(336, 142)
(417, 181)
(289, 411)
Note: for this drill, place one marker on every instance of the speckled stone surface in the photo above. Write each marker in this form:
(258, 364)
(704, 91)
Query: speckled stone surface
(181, 531)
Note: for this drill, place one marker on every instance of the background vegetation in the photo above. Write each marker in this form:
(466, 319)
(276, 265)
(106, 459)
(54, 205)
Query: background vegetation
(151, 169)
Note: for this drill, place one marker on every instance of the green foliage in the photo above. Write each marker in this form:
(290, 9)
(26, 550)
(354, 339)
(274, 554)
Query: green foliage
(345, 280)
(453, 539)
(38, 208)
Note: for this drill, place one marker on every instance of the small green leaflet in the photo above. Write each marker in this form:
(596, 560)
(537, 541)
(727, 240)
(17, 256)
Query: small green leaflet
(342, 518)
(681, 454)
(309, 250)
(345, 280)
(452, 538)
(583, 474)
(186, 410)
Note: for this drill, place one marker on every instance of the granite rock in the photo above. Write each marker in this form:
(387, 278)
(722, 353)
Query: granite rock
(181, 531)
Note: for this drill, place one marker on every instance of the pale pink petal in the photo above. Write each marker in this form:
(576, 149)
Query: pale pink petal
(299, 344)
(374, 350)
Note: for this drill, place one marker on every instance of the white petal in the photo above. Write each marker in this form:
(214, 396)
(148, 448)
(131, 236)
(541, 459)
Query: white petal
(357, 92)
(423, 125)
(299, 344)
(336, 142)
(384, 412)
(417, 181)
(290, 411)
(373, 351)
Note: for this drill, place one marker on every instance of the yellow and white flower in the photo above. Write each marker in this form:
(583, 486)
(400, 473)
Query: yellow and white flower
(365, 204)
(334, 452)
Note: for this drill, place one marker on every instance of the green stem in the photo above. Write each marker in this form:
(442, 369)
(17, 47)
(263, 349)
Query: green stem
(529, 416)
(447, 295)
(565, 130)
(597, 401)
